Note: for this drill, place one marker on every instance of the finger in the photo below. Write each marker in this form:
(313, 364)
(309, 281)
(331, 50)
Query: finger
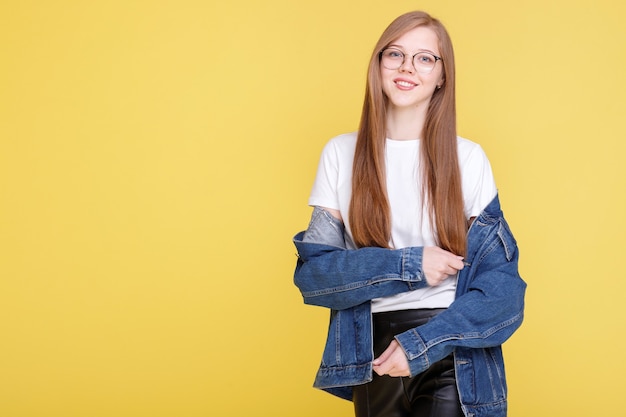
(386, 354)
(399, 373)
(386, 368)
(379, 360)
(382, 369)
(457, 263)
(393, 368)
(395, 372)
(450, 270)
(436, 280)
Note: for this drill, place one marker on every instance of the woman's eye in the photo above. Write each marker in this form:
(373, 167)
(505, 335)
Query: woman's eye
(425, 58)
(395, 54)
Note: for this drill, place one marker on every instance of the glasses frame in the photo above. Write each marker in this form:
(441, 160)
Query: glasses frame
(404, 55)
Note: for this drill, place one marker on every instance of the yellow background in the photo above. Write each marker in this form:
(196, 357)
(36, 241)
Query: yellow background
(156, 159)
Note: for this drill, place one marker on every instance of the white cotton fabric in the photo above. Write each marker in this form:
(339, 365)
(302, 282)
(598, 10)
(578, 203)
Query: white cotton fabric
(410, 226)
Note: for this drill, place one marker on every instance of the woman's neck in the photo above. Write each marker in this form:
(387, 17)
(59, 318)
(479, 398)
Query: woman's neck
(405, 123)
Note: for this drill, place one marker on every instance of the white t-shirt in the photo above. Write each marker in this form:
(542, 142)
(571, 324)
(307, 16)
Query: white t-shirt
(409, 226)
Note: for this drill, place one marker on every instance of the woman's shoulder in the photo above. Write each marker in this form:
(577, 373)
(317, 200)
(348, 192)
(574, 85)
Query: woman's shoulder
(469, 149)
(466, 145)
(345, 140)
(342, 145)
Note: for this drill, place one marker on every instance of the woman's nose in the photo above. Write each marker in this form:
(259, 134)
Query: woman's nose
(407, 66)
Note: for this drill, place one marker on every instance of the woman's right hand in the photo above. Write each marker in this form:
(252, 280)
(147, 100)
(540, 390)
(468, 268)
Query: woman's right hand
(438, 264)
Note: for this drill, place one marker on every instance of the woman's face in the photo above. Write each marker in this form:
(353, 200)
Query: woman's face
(406, 87)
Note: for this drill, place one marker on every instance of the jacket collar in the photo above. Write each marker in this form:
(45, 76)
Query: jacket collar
(492, 210)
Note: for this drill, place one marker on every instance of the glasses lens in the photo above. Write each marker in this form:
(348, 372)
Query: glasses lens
(392, 59)
(424, 62)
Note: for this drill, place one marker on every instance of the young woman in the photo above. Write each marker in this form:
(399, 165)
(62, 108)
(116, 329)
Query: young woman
(408, 247)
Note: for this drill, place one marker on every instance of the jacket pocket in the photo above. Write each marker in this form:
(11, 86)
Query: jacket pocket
(481, 376)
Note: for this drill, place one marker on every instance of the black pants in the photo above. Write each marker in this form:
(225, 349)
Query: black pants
(432, 393)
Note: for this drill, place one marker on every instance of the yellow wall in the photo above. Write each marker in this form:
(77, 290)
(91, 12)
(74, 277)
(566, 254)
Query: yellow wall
(156, 158)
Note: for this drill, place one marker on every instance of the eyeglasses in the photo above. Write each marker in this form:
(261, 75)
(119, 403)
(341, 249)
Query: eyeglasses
(423, 62)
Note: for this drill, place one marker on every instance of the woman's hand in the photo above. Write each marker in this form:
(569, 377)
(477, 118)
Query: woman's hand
(392, 361)
(438, 264)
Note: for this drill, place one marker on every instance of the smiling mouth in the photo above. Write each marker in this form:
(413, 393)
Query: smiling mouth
(405, 84)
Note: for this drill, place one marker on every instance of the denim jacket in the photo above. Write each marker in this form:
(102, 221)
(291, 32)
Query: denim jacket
(488, 307)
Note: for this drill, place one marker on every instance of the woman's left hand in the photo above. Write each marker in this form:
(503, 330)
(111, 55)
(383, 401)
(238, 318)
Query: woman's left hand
(392, 361)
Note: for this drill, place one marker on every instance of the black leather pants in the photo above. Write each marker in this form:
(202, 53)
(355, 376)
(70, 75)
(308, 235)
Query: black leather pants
(432, 393)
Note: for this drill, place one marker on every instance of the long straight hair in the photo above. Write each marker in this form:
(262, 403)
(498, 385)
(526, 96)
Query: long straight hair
(369, 214)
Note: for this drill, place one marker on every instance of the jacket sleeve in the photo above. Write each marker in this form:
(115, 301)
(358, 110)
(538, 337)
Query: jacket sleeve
(487, 313)
(330, 275)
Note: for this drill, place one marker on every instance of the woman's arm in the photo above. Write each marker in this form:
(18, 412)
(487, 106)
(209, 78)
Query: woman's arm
(486, 314)
(338, 278)
(332, 276)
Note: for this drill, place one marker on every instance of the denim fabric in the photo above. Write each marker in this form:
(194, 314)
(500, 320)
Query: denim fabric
(326, 229)
(328, 275)
(487, 310)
